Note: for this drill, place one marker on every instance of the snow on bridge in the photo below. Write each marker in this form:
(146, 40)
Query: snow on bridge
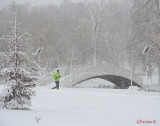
(119, 76)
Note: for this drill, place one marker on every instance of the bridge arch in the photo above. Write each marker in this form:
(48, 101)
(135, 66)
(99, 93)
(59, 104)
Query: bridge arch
(116, 75)
(120, 82)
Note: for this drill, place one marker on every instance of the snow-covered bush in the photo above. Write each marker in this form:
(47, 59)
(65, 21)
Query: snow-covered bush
(17, 97)
(135, 88)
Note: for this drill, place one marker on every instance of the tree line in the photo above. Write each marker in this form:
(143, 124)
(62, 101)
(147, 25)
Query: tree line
(95, 32)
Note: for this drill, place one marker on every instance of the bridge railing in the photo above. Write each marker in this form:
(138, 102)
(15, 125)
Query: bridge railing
(65, 71)
(97, 71)
(84, 72)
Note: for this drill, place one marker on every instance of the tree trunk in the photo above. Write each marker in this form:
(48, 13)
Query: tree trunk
(159, 74)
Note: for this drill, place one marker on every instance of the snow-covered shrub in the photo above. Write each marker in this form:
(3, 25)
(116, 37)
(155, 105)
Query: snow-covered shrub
(38, 118)
(135, 88)
(17, 96)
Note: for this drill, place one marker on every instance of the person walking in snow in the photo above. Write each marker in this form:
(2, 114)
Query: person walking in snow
(57, 77)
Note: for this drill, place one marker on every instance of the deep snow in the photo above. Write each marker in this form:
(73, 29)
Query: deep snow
(86, 107)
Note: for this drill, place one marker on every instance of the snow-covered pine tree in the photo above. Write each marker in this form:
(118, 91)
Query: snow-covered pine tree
(16, 76)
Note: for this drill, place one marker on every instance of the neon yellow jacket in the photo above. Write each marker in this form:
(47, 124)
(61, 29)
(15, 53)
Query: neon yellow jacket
(56, 76)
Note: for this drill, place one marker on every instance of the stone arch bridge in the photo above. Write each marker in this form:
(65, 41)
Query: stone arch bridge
(117, 75)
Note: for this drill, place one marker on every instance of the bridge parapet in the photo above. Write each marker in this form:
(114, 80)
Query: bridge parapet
(92, 72)
(82, 73)
(65, 71)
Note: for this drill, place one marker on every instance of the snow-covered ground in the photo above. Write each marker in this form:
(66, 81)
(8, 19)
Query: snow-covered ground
(86, 107)
(95, 83)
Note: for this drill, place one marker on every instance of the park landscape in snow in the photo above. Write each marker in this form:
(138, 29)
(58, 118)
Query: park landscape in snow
(35, 41)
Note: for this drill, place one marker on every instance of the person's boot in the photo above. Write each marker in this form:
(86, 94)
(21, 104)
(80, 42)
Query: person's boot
(54, 87)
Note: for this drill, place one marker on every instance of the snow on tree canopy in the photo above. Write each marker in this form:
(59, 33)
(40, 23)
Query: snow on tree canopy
(16, 75)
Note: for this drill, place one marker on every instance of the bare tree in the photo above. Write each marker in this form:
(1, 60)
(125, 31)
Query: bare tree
(145, 33)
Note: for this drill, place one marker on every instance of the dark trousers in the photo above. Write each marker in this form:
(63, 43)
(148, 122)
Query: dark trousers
(57, 85)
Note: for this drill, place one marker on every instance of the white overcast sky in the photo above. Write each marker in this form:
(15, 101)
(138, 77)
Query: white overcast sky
(40, 2)
(34, 2)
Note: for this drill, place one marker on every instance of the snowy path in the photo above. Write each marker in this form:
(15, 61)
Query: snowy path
(86, 107)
